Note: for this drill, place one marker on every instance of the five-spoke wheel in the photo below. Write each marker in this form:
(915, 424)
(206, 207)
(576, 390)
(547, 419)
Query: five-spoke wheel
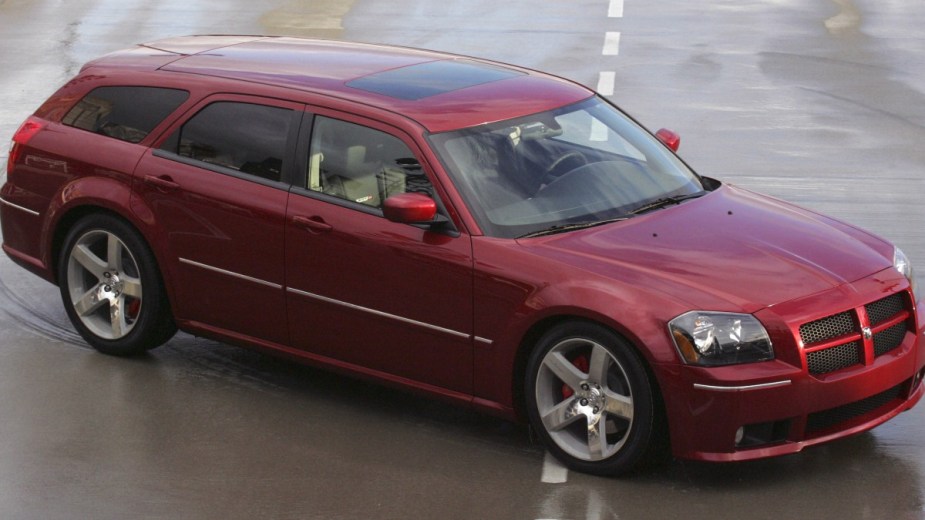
(103, 281)
(111, 287)
(589, 398)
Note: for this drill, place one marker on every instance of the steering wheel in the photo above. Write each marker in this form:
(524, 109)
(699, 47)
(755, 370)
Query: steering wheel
(563, 164)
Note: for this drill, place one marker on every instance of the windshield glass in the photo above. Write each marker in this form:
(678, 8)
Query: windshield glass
(578, 165)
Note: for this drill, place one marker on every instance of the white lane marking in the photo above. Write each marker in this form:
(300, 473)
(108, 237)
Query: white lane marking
(553, 470)
(599, 131)
(611, 43)
(616, 9)
(606, 82)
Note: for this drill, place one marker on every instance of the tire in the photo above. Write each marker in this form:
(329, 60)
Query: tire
(590, 399)
(112, 289)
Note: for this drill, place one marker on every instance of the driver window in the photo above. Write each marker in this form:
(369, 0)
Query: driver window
(360, 164)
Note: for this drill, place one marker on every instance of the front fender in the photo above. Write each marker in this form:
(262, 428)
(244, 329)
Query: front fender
(519, 296)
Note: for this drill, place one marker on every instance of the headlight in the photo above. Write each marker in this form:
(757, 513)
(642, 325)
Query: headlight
(902, 264)
(720, 338)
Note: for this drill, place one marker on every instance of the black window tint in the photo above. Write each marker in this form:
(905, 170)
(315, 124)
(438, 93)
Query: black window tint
(125, 113)
(241, 136)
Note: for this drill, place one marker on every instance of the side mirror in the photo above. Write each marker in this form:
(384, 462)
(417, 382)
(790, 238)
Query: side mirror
(670, 139)
(409, 208)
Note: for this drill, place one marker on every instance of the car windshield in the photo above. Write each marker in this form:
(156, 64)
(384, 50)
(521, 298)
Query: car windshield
(577, 166)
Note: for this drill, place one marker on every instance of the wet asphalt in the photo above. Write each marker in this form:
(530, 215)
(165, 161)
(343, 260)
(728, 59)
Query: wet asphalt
(819, 102)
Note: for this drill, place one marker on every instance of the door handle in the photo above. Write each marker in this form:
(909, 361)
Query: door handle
(314, 224)
(163, 183)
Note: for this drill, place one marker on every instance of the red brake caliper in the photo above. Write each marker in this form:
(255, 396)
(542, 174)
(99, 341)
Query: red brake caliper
(133, 307)
(581, 363)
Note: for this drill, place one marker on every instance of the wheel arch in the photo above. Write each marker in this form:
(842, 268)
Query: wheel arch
(126, 332)
(70, 214)
(531, 338)
(85, 196)
(659, 447)
(63, 226)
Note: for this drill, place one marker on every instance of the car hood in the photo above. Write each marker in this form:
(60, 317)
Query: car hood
(729, 250)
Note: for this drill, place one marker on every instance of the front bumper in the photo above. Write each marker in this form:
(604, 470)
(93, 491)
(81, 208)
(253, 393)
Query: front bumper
(777, 407)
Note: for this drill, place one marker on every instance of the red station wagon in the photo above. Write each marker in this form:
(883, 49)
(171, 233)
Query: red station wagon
(490, 235)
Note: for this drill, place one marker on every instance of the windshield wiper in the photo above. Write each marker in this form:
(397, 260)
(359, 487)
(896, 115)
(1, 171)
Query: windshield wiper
(560, 228)
(666, 201)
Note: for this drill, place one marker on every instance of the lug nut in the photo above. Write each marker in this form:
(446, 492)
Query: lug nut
(584, 402)
(584, 386)
(596, 409)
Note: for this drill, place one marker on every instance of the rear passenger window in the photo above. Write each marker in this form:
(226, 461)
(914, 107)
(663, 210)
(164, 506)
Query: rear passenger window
(242, 136)
(124, 113)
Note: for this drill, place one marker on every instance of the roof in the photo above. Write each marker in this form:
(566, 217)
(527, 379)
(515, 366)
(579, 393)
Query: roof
(440, 91)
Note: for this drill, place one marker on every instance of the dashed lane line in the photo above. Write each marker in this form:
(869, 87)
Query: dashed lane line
(611, 43)
(553, 470)
(606, 82)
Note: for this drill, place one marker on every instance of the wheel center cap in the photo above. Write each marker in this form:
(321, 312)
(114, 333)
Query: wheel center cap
(595, 397)
(592, 400)
(112, 286)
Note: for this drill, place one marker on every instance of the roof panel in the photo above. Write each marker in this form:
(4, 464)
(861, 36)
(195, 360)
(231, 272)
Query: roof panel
(298, 62)
(437, 90)
(197, 44)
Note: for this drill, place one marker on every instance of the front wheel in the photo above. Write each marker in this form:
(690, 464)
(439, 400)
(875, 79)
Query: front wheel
(590, 400)
(111, 287)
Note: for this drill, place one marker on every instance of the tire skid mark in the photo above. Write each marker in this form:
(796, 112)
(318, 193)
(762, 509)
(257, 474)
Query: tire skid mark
(37, 321)
(216, 364)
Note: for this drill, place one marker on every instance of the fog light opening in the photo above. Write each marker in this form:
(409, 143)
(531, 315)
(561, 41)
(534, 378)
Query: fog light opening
(753, 435)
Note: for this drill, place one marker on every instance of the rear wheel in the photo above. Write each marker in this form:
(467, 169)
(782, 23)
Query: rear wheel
(589, 399)
(111, 287)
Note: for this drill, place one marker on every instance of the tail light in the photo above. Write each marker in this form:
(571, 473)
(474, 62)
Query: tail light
(27, 131)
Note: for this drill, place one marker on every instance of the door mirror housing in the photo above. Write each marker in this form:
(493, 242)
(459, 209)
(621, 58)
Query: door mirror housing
(410, 208)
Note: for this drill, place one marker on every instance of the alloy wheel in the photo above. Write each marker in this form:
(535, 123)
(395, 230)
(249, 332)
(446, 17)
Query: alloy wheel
(104, 282)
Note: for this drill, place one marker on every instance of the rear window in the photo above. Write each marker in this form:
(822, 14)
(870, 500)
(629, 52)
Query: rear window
(124, 113)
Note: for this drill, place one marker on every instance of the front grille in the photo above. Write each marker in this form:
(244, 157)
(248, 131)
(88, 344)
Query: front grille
(847, 325)
(835, 358)
(833, 416)
(828, 328)
(888, 339)
(882, 310)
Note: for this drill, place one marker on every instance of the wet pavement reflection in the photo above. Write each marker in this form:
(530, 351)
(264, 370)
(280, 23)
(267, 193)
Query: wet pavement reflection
(819, 103)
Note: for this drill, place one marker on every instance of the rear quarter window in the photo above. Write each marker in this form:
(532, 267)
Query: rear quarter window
(124, 113)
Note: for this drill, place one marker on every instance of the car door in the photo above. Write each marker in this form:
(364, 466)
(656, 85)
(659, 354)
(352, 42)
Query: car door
(217, 188)
(392, 298)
